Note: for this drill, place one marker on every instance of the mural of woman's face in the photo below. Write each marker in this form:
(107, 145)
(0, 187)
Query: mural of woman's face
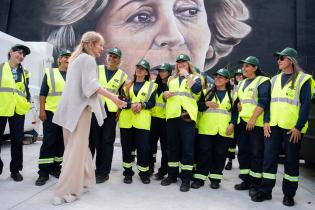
(156, 30)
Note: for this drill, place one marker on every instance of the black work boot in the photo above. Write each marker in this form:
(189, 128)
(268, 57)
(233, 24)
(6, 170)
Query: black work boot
(288, 201)
(215, 184)
(184, 187)
(261, 196)
(145, 179)
(16, 176)
(128, 179)
(168, 180)
(197, 184)
(42, 179)
(242, 186)
(100, 178)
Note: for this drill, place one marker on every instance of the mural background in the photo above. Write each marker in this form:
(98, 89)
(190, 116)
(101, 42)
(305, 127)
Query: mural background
(274, 26)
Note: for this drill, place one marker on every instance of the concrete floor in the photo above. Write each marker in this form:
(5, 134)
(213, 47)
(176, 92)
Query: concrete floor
(114, 194)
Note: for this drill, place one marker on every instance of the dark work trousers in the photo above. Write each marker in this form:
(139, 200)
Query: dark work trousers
(212, 152)
(232, 149)
(250, 153)
(180, 148)
(16, 125)
(140, 138)
(51, 151)
(158, 132)
(273, 146)
(102, 141)
(196, 151)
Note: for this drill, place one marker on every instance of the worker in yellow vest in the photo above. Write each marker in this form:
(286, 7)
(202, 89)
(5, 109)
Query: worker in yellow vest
(135, 122)
(158, 121)
(254, 96)
(51, 151)
(15, 97)
(238, 77)
(181, 115)
(291, 94)
(216, 127)
(102, 138)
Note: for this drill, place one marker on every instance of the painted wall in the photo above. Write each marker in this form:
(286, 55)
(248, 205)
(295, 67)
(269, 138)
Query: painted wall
(215, 33)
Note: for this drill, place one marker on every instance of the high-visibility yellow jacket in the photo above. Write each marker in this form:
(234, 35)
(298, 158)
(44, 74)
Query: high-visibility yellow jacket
(56, 85)
(285, 102)
(142, 120)
(12, 94)
(112, 85)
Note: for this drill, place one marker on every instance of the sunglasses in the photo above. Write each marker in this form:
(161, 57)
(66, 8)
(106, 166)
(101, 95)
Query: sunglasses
(281, 58)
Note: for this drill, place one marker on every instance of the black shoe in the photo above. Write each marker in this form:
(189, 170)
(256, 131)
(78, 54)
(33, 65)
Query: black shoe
(101, 178)
(261, 196)
(55, 174)
(159, 176)
(288, 201)
(184, 187)
(197, 184)
(228, 165)
(41, 180)
(16, 176)
(128, 179)
(252, 191)
(145, 179)
(215, 185)
(168, 180)
(242, 186)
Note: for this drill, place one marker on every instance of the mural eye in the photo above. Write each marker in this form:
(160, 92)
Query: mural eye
(142, 18)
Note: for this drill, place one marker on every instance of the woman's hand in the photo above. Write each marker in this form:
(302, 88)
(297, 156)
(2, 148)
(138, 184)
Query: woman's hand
(251, 124)
(183, 72)
(167, 94)
(295, 135)
(42, 115)
(121, 104)
(230, 129)
(267, 130)
(212, 105)
(136, 107)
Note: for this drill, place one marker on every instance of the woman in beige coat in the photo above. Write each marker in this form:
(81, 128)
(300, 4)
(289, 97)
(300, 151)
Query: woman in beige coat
(80, 96)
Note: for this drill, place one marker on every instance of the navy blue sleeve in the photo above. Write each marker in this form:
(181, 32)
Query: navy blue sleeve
(44, 89)
(305, 100)
(267, 114)
(234, 115)
(264, 91)
(151, 103)
(202, 103)
(197, 87)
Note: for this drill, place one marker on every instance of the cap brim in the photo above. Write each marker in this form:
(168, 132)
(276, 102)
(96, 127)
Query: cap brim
(25, 49)
(143, 67)
(114, 54)
(221, 75)
(277, 54)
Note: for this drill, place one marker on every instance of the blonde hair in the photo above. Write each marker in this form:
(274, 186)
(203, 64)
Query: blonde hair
(88, 40)
(191, 70)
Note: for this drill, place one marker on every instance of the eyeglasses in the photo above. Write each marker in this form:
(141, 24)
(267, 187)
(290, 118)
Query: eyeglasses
(281, 58)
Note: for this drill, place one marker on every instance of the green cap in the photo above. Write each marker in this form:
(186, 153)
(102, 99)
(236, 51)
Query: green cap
(290, 52)
(25, 49)
(115, 51)
(238, 71)
(223, 72)
(182, 57)
(144, 64)
(64, 53)
(251, 60)
(165, 67)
